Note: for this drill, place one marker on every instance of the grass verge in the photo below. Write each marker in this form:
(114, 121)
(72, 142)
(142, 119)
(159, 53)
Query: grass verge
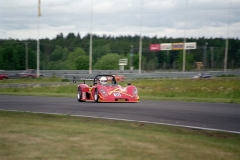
(40, 136)
(214, 90)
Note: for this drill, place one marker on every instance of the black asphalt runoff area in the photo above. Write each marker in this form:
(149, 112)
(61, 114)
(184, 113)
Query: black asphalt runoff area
(199, 115)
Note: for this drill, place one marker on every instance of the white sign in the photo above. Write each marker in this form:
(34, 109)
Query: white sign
(123, 62)
(166, 46)
(191, 45)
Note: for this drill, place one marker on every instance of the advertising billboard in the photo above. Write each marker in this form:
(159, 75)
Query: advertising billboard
(173, 46)
(177, 46)
(191, 45)
(154, 47)
(166, 46)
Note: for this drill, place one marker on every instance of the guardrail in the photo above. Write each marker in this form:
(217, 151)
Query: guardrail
(129, 74)
(157, 75)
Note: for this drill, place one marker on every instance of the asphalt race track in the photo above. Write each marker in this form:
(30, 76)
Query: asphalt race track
(211, 116)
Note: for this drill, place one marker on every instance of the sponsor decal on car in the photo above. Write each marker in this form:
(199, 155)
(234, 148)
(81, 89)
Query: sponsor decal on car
(83, 95)
(117, 94)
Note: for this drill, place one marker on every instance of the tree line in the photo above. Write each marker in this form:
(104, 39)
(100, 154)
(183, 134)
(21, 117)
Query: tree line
(71, 52)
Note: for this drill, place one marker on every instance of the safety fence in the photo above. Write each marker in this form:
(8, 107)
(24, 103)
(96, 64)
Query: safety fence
(129, 74)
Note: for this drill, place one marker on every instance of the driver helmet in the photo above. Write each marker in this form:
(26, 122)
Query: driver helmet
(103, 80)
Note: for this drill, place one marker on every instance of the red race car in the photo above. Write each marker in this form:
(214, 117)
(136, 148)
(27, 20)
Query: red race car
(3, 76)
(29, 73)
(119, 78)
(106, 89)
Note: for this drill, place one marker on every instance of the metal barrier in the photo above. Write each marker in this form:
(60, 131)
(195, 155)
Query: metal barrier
(129, 74)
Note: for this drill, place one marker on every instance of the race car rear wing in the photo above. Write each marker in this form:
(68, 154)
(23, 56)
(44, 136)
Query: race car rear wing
(96, 78)
(83, 79)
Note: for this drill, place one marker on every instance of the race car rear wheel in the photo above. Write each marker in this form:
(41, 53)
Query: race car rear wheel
(79, 95)
(96, 96)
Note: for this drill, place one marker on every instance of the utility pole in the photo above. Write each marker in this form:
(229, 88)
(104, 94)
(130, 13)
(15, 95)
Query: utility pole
(90, 47)
(140, 43)
(212, 57)
(226, 46)
(184, 40)
(205, 55)
(38, 43)
(131, 58)
(26, 46)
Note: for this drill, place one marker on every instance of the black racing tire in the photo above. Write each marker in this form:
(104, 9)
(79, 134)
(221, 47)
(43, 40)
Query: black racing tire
(96, 96)
(79, 95)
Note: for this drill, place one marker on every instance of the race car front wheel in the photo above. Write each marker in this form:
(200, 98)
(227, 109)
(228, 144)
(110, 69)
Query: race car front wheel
(79, 95)
(96, 96)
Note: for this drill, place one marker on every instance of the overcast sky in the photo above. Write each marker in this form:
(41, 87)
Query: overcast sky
(204, 18)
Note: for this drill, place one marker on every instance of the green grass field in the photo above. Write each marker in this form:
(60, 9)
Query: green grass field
(226, 90)
(40, 136)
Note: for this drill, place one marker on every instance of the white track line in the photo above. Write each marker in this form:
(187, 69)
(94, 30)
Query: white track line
(129, 120)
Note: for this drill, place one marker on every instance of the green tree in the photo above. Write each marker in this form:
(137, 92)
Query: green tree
(58, 65)
(135, 61)
(1, 59)
(59, 53)
(12, 51)
(108, 62)
(78, 52)
(32, 59)
(100, 51)
(189, 61)
(152, 64)
(82, 63)
(15, 60)
(10, 57)
(56, 54)
(238, 54)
